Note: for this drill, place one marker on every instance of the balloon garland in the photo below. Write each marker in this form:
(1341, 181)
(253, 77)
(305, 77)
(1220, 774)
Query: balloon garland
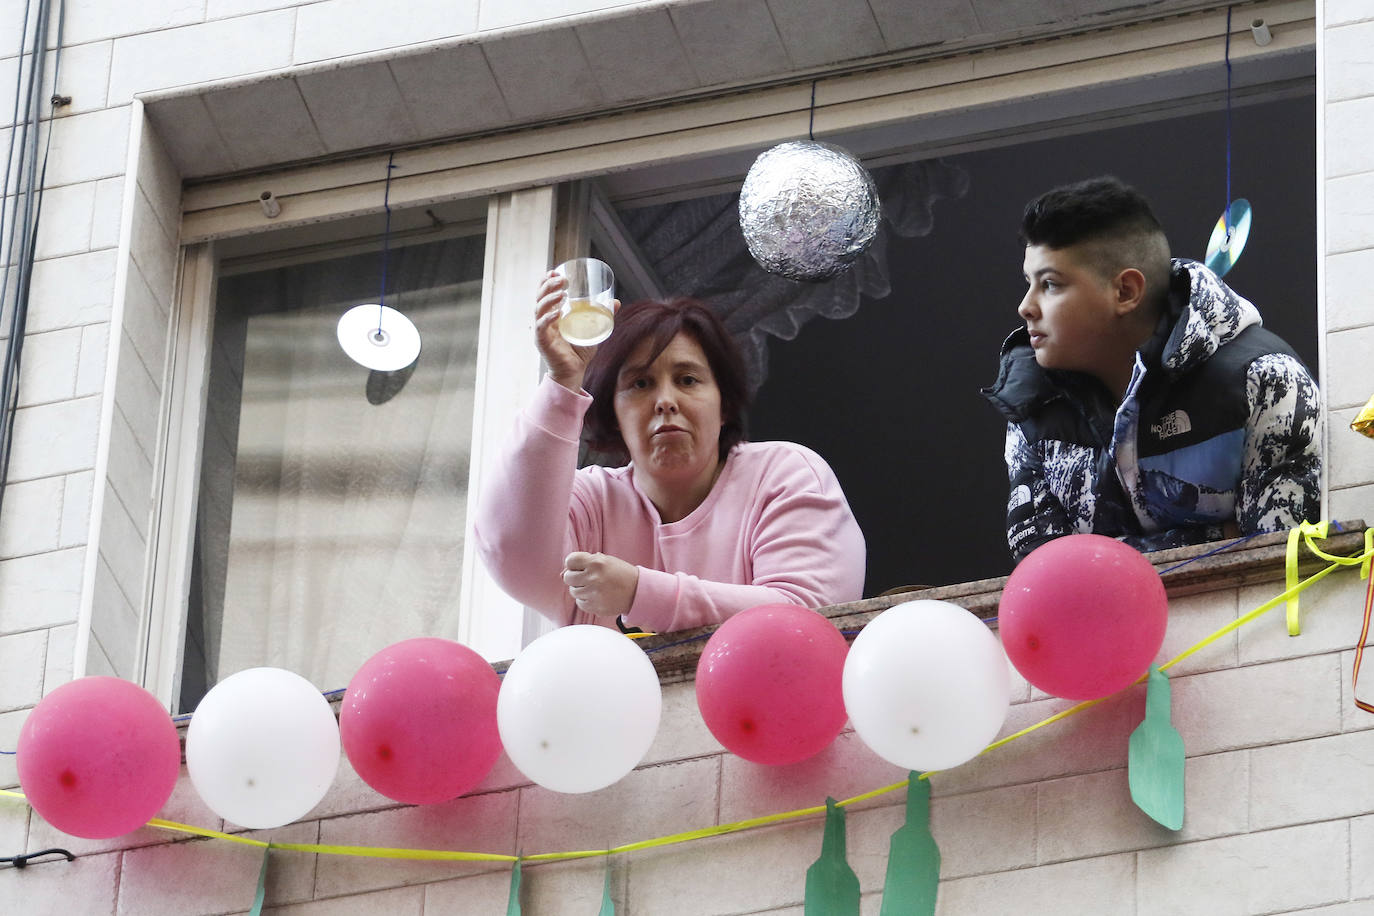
(912, 845)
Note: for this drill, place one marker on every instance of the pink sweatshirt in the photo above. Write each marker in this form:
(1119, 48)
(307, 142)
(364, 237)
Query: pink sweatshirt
(775, 528)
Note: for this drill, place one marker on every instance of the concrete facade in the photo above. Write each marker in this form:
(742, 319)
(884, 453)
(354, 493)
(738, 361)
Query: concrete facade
(1281, 814)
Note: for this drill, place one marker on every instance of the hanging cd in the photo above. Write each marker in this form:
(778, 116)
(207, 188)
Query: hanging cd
(378, 337)
(1224, 248)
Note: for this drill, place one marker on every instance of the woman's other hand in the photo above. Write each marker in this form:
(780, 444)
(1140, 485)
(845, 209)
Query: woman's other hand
(600, 584)
(567, 363)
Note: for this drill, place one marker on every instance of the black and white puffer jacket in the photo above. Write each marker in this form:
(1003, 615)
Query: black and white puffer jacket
(1221, 422)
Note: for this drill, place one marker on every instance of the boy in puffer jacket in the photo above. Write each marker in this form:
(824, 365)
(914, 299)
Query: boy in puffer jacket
(1143, 399)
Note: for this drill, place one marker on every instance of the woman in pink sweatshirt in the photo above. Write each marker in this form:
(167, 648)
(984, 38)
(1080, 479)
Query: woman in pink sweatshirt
(699, 525)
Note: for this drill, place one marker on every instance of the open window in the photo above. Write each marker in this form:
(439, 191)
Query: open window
(887, 389)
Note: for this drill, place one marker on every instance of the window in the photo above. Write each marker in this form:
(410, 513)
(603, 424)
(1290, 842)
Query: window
(887, 390)
(964, 109)
(332, 498)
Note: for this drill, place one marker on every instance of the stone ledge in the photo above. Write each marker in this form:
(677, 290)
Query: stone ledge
(1256, 561)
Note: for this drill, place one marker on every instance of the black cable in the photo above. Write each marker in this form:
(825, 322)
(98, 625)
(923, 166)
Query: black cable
(9, 158)
(28, 198)
(23, 860)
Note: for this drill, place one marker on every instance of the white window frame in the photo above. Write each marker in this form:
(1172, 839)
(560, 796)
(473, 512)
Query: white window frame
(519, 243)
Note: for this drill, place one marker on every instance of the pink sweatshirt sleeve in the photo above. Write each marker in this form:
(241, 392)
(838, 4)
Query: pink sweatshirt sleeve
(805, 548)
(523, 526)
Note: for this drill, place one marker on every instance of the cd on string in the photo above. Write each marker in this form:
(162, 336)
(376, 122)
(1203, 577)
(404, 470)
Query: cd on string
(379, 337)
(1224, 248)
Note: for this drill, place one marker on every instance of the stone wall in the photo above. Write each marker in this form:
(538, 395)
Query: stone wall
(1281, 769)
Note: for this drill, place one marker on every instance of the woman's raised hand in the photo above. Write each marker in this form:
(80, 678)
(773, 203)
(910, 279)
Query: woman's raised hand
(567, 363)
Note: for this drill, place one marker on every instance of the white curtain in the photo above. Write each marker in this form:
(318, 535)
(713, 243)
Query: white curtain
(333, 498)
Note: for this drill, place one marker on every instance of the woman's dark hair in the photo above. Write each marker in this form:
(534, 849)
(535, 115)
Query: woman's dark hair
(660, 321)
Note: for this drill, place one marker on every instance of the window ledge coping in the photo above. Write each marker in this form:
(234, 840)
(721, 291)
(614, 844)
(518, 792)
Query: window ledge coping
(1258, 560)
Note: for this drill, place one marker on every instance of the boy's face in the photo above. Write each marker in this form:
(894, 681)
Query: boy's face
(1070, 310)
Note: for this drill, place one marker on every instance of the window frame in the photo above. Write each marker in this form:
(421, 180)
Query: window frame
(519, 242)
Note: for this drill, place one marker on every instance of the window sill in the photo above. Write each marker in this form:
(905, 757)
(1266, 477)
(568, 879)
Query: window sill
(1258, 560)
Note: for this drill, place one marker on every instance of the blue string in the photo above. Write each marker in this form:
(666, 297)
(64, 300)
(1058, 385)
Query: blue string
(811, 125)
(1216, 550)
(1226, 207)
(680, 642)
(386, 236)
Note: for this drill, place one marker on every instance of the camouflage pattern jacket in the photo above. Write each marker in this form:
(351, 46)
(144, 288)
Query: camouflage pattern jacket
(1221, 422)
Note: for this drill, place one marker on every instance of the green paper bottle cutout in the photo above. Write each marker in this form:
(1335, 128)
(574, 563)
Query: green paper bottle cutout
(513, 907)
(913, 859)
(1156, 757)
(607, 904)
(832, 888)
(261, 894)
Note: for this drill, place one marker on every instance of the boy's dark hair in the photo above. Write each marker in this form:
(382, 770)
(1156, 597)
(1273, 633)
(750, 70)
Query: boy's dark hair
(660, 321)
(1111, 219)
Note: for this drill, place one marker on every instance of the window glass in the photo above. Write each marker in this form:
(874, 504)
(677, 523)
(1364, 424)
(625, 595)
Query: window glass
(332, 497)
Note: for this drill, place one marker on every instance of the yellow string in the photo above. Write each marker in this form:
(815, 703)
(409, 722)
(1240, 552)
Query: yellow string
(1304, 529)
(721, 829)
(1319, 531)
(1308, 532)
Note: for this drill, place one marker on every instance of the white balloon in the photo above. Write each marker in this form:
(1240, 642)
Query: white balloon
(263, 747)
(926, 685)
(579, 708)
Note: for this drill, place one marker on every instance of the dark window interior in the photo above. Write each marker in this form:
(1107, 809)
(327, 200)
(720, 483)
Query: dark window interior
(890, 395)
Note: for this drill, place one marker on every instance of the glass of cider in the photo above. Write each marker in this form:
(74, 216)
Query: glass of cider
(588, 313)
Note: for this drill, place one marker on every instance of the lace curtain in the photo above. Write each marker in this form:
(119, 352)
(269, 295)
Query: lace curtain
(697, 249)
(333, 499)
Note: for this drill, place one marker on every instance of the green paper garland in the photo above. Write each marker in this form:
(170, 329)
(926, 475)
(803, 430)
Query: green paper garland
(832, 888)
(1156, 761)
(913, 859)
(262, 884)
(513, 906)
(607, 904)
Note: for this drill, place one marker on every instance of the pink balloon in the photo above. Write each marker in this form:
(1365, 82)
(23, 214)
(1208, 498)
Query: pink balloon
(1083, 616)
(769, 683)
(98, 757)
(418, 721)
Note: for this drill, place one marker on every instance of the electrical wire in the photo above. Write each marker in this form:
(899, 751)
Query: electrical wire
(18, 239)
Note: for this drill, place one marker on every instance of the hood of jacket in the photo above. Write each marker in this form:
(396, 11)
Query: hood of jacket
(1213, 315)
(1204, 315)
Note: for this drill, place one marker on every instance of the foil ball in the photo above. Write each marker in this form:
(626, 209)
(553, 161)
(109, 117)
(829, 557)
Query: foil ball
(807, 210)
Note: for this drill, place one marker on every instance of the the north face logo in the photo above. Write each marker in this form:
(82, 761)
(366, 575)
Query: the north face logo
(1171, 424)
